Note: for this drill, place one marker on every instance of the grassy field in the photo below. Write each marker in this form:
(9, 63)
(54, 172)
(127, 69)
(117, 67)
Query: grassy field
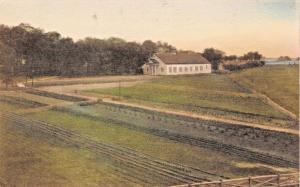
(158, 147)
(280, 83)
(32, 97)
(216, 95)
(37, 161)
(5, 106)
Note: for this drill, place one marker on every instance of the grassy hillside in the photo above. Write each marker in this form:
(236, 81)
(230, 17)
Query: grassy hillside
(158, 147)
(280, 83)
(216, 95)
(37, 161)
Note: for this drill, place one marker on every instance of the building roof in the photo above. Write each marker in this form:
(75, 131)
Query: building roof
(182, 58)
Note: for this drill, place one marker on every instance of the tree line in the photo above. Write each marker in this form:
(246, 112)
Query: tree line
(216, 57)
(29, 51)
(25, 50)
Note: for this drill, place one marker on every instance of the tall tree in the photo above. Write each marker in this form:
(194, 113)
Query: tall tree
(7, 63)
(284, 58)
(150, 47)
(252, 56)
(164, 47)
(230, 57)
(51, 54)
(214, 56)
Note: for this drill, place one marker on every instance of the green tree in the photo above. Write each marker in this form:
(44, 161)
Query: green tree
(214, 56)
(150, 47)
(7, 63)
(284, 58)
(51, 54)
(230, 57)
(252, 56)
(164, 47)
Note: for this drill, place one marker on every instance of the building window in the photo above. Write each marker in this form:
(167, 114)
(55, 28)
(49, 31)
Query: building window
(196, 68)
(201, 68)
(174, 69)
(191, 68)
(185, 69)
(180, 69)
(170, 69)
(206, 66)
(162, 69)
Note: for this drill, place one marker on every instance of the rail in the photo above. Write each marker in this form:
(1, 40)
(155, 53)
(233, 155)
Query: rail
(282, 180)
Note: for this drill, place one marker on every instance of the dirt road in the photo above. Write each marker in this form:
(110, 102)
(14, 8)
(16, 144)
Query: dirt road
(69, 89)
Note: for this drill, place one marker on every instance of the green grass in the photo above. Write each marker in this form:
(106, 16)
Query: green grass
(152, 145)
(205, 94)
(5, 106)
(31, 97)
(280, 83)
(36, 161)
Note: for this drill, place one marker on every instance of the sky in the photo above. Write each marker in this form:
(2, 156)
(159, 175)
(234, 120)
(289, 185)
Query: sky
(233, 26)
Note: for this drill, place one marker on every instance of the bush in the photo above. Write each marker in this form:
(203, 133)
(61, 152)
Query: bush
(250, 64)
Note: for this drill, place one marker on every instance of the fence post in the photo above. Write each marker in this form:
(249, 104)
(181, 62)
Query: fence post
(221, 182)
(250, 182)
(278, 180)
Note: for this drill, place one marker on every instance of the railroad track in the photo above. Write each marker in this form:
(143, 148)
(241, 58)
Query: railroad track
(202, 142)
(139, 165)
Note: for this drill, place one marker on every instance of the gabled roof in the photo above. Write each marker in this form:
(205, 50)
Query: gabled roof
(182, 58)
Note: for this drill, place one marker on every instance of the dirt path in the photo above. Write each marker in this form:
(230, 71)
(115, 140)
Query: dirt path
(63, 89)
(93, 78)
(58, 81)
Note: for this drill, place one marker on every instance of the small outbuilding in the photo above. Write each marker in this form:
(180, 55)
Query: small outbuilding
(176, 64)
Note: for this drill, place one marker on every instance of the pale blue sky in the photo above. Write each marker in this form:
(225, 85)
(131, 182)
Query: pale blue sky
(234, 26)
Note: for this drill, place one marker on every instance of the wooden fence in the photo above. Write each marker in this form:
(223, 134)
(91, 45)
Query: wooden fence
(283, 180)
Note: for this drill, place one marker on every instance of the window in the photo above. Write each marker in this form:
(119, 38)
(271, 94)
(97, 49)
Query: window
(170, 69)
(174, 69)
(191, 68)
(162, 69)
(206, 66)
(201, 68)
(196, 68)
(180, 69)
(185, 69)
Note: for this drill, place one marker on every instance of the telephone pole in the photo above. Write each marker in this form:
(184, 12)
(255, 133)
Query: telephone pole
(119, 90)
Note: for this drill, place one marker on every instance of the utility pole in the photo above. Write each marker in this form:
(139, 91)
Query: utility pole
(119, 90)
(32, 72)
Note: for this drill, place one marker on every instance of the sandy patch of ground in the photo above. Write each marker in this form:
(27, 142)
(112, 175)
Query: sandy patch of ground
(92, 79)
(66, 89)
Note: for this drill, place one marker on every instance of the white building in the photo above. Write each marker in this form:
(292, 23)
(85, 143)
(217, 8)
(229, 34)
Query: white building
(176, 64)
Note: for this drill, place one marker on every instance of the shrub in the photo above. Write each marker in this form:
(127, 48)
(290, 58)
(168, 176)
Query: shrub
(250, 64)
